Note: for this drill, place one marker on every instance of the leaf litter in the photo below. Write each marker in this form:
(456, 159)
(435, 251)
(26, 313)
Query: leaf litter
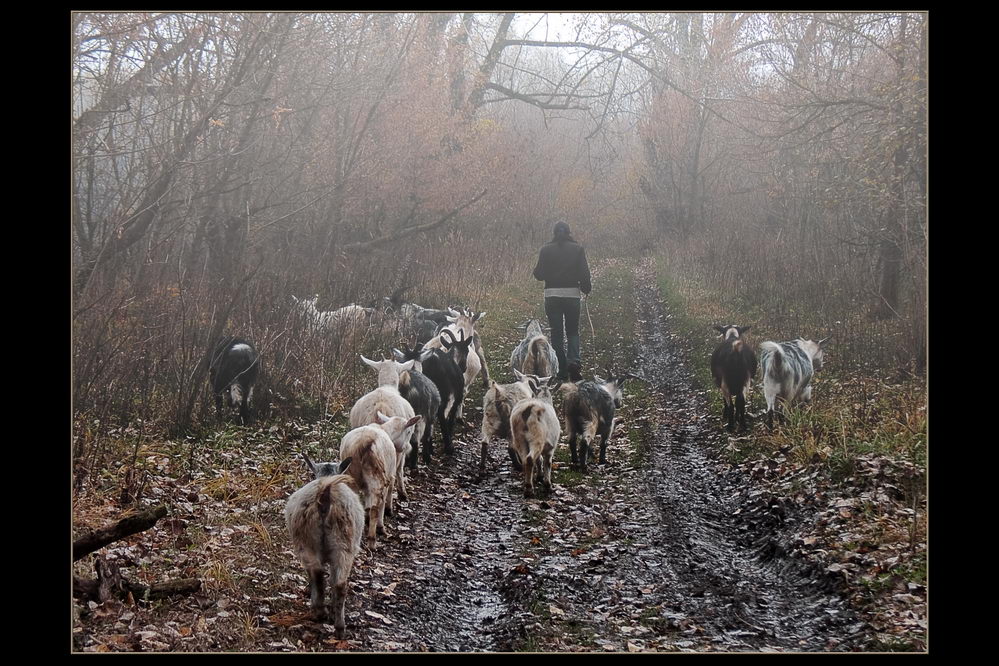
(675, 551)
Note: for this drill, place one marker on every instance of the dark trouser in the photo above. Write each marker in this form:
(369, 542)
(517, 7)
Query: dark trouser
(563, 317)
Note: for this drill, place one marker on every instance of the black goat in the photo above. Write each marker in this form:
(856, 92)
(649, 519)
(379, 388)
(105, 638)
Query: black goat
(733, 365)
(232, 372)
(445, 368)
(423, 395)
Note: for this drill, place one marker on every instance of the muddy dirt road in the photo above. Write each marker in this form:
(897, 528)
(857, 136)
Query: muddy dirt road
(663, 549)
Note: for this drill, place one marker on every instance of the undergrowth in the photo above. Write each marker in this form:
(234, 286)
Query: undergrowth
(854, 412)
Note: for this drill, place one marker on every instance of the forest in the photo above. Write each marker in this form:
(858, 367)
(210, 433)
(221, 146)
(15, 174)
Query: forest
(310, 188)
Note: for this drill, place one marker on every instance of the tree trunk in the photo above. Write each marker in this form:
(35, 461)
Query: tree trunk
(890, 247)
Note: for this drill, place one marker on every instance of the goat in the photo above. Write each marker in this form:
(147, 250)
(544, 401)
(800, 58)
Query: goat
(464, 322)
(787, 371)
(589, 409)
(347, 320)
(534, 430)
(534, 355)
(498, 404)
(733, 365)
(325, 519)
(351, 318)
(445, 368)
(424, 323)
(316, 321)
(421, 392)
(386, 399)
(374, 450)
(233, 371)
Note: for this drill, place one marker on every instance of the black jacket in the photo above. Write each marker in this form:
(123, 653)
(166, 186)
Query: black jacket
(563, 265)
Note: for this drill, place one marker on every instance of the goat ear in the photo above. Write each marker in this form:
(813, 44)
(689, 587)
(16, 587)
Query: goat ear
(408, 365)
(381, 418)
(344, 464)
(312, 467)
(598, 379)
(398, 354)
(413, 421)
(451, 311)
(478, 317)
(368, 361)
(720, 329)
(518, 374)
(743, 329)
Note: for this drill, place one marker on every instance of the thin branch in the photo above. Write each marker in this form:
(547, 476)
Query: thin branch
(409, 231)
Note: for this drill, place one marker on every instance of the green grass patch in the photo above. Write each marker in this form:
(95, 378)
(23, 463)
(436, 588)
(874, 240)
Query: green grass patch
(852, 414)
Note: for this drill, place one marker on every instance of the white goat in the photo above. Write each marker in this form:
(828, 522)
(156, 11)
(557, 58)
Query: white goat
(787, 371)
(535, 431)
(325, 519)
(347, 321)
(387, 400)
(376, 462)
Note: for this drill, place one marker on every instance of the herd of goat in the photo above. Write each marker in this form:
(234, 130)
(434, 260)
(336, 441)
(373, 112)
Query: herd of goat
(426, 383)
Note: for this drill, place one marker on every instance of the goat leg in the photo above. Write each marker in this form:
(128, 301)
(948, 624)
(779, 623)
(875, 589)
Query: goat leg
(317, 590)
(572, 450)
(485, 453)
(339, 601)
(529, 477)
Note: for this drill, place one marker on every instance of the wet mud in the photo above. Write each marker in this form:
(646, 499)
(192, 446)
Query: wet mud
(667, 550)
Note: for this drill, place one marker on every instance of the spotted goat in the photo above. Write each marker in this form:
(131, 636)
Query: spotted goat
(233, 371)
(534, 355)
(589, 408)
(788, 368)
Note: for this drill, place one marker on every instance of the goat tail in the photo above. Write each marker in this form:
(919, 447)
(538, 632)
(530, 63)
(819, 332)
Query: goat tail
(323, 501)
(568, 388)
(539, 353)
(773, 357)
(534, 354)
(526, 418)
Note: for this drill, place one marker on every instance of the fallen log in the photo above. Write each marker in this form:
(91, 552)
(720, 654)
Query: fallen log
(109, 583)
(125, 527)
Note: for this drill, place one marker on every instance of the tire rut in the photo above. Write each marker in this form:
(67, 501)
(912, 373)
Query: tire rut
(451, 548)
(724, 537)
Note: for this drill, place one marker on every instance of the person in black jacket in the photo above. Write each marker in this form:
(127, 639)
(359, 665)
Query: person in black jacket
(563, 268)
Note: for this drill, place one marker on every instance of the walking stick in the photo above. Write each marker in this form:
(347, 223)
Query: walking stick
(586, 307)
